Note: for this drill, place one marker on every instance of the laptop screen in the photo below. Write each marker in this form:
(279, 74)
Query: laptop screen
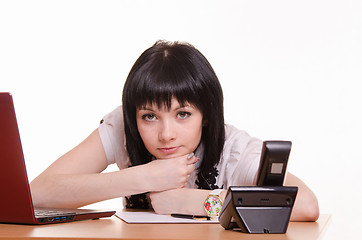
(15, 201)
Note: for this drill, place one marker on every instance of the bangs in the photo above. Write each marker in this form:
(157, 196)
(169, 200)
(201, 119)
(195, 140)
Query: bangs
(164, 83)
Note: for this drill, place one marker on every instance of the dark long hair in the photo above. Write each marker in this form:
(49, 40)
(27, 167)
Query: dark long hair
(174, 69)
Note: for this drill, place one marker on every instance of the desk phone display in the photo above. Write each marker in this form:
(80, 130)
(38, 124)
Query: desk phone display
(264, 208)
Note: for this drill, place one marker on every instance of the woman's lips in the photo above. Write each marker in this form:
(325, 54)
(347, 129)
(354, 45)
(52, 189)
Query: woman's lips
(168, 150)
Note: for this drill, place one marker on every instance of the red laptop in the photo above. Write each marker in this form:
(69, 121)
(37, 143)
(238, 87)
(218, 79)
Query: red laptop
(16, 205)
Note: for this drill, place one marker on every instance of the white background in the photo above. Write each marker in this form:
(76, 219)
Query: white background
(289, 70)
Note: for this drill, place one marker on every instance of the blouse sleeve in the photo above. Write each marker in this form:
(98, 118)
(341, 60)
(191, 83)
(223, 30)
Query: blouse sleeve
(111, 131)
(241, 158)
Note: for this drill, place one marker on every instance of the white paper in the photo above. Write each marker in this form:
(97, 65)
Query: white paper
(151, 217)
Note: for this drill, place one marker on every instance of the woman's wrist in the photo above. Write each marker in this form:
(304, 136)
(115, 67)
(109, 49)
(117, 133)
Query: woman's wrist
(135, 180)
(193, 201)
(148, 181)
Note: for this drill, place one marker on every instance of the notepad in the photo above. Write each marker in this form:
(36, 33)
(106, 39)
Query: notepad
(135, 216)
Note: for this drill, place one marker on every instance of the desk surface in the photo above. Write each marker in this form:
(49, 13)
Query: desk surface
(114, 228)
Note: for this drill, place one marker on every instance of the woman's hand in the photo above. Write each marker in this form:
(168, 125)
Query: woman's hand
(166, 202)
(169, 174)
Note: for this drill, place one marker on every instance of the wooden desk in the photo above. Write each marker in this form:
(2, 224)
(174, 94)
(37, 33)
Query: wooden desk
(114, 228)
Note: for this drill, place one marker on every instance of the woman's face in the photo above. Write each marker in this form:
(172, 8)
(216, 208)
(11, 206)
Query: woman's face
(170, 133)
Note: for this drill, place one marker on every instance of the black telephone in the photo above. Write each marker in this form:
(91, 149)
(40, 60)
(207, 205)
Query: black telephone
(264, 208)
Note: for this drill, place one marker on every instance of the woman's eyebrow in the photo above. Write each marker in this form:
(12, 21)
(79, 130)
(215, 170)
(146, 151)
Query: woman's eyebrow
(183, 106)
(176, 108)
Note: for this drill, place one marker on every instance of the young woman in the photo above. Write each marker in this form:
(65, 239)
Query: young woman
(169, 141)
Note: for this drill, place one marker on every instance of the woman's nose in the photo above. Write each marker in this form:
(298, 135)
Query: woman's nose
(167, 131)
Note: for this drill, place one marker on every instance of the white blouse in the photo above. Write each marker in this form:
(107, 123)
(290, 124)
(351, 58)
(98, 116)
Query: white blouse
(238, 165)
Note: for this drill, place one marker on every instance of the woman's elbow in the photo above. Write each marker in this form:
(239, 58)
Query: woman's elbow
(308, 211)
(42, 193)
(312, 211)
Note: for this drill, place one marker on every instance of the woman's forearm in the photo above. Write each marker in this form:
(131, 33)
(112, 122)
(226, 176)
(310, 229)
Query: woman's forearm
(183, 200)
(75, 179)
(76, 190)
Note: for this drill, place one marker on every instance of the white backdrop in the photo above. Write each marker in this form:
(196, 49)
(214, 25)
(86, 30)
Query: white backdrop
(289, 69)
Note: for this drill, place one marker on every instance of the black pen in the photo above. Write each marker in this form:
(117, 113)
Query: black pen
(194, 217)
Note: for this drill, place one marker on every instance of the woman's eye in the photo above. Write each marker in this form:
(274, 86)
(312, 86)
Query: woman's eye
(149, 117)
(183, 115)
